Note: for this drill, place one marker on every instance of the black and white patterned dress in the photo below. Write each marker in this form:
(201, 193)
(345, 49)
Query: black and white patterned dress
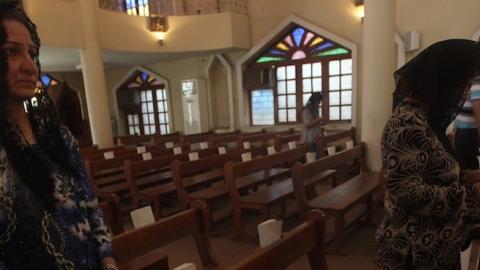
(426, 206)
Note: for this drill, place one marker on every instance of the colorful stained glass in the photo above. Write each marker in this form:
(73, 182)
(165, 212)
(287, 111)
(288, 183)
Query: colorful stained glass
(288, 39)
(337, 51)
(282, 46)
(142, 79)
(308, 38)
(301, 43)
(298, 55)
(269, 59)
(298, 35)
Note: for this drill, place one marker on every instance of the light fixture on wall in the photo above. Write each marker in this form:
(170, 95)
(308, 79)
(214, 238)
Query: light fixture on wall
(360, 8)
(158, 26)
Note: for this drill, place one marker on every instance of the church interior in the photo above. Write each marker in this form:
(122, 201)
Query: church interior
(215, 89)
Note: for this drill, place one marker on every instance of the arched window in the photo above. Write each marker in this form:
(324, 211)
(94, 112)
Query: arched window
(297, 63)
(48, 80)
(145, 102)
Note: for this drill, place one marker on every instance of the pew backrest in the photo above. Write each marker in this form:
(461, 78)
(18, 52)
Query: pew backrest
(306, 239)
(138, 242)
(324, 140)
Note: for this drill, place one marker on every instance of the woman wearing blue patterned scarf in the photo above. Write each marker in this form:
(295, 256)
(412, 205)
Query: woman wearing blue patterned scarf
(49, 216)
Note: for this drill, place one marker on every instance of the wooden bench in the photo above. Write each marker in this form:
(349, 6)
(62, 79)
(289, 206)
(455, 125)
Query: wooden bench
(281, 141)
(139, 244)
(260, 139)
(263, 199)
(155, 175)
(306, 239)
(230, 140)
(205, 172)
(324, 140)
(339, 200)
(112, 212)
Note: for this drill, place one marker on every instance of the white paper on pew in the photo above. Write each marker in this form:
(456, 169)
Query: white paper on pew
(186, 266)
(109, 155)
(465, 257)
(141, 149)
(349, 144)
(310, 157)
(246, 156)
(292, 145)
(203, 145)
(177, 150)
(246, 145)
(269, 232)
(271, 150)
(119, 141)
(193, 156)
(147, 156)
(142, 217)
(222, 150)
(331, 150)
(169, 145)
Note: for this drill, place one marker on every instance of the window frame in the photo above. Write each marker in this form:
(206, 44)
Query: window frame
(299, 84)
(137, 109)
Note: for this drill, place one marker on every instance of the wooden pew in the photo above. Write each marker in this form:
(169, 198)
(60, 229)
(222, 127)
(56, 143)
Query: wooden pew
(161, 140)
(265, 198)
(138, 245)
(261, 139)
(88, 149)
(281, 141)
(306, 239)
(112, 212)
(323, 141)
(339, 200)
(223, 140)
(194, 139)
(208, 171)
(118, 152)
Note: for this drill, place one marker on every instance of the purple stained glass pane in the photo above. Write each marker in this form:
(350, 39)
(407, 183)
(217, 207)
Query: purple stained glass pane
(289, 41)
(323, 46)
(276, 52)
(308, 38)
(144, 76)
(298, 55)
(298, 35)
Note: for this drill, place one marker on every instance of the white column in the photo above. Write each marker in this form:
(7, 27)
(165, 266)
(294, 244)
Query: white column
(378, 67)
(94, 78)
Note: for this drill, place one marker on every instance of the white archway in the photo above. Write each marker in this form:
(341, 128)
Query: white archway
(278, 29)
(228, 70)
(127, 76)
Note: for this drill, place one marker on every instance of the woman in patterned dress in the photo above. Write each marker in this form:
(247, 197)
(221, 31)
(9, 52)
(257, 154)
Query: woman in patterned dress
(49, 216)
(428, 200)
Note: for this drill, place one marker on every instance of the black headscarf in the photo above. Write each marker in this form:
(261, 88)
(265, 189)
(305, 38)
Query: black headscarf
(41, 113)
(437, 78)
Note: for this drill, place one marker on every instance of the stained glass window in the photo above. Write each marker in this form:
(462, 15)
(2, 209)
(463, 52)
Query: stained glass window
(153, 114)
(299, 44)
(137, 7)
(48, 80)
(304, 63)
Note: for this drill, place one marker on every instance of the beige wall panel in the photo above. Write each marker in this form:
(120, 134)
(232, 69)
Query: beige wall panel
(59, 22)
(219, 95)
(436, 20)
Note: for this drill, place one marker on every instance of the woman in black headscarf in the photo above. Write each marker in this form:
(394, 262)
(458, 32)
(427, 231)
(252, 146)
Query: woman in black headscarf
(49, 216)
(428, 200)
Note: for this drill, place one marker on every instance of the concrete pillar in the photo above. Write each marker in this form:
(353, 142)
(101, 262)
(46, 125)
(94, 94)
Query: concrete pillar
(94, 78)
(378, 67)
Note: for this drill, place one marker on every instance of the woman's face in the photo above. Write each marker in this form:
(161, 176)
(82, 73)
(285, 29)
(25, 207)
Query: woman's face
(22, 75)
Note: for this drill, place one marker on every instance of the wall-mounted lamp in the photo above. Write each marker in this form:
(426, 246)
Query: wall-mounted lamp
(158, 26)
(360, 8)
